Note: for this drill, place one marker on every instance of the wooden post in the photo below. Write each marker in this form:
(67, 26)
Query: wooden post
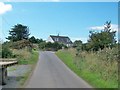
(3, 75)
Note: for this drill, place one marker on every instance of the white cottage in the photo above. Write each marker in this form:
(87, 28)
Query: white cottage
(60, 39)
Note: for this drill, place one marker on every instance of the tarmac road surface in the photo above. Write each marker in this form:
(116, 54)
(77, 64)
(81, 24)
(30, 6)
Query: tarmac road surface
(51, 72)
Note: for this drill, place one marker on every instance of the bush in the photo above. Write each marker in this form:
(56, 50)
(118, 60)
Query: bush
(42, 45)
(6, 52)
(25, 57)
(51, 46)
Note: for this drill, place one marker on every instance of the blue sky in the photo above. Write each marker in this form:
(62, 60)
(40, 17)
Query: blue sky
(59, 0)
(68, 19)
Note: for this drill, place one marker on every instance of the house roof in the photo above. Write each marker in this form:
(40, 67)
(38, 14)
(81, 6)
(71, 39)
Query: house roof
(61, 39)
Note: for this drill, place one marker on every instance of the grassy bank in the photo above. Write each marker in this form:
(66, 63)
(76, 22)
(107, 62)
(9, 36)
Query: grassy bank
(90, 66)
(25, 57)
(30, 59)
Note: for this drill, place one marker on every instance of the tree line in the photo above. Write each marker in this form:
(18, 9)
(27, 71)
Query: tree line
(19, 37)
(105, 38)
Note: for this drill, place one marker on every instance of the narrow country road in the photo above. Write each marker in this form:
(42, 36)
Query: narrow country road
(51, 72)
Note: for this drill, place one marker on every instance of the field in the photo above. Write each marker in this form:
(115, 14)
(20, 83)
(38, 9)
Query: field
(99, 69)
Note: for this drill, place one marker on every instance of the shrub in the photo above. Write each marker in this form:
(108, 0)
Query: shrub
(6, 52)
(23, 55)
(51, 46)
(42, 45)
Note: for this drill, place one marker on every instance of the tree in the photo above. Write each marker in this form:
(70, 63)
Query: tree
(103, 39)
(18, 32)
(57, 46)
(51, 46)
(42, 45)
(34, 40)
(77, 43)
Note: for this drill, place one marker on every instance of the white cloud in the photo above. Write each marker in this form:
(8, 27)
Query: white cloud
(5, 8)
(114, 27)
(96, 28)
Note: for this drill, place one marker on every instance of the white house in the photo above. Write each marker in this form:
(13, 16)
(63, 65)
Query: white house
(60, 39)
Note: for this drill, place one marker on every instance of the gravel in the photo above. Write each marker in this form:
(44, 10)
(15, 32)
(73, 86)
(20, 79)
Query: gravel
(15, 74)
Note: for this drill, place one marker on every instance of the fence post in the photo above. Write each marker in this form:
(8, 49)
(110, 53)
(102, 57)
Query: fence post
(3, 75)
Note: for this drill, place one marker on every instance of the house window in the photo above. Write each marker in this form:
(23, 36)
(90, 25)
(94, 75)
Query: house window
(68, 40)
(56, 39)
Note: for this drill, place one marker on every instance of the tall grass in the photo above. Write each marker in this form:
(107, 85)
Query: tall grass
(99, 69)
(26, 57)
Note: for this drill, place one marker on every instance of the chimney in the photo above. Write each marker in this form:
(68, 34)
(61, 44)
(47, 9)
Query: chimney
(58, 34)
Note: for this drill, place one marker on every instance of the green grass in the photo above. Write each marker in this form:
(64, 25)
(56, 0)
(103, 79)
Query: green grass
(93, 78)
(12, 69)
(32, 59)
(24, 77)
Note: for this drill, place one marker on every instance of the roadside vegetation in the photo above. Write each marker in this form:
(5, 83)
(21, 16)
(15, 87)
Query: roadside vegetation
(22, 48)
(51, 46)
(95, 61)
(25, 49)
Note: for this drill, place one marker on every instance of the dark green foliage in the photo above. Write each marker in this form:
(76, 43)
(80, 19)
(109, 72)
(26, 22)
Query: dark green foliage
(98, 40)
(22, 44)
(6, 52)
(65, 47)
(85, 47)
(77, 43)
(18, 32)
(103, 39)
(51, 46)
(57, 46)
(42, 45)
(35, 40)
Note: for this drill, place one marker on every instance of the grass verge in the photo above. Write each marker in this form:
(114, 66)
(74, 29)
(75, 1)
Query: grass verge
(31, 60)
(93, 78)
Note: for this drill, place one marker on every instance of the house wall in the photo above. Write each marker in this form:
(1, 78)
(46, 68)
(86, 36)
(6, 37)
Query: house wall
(69, 45)
(50, 40)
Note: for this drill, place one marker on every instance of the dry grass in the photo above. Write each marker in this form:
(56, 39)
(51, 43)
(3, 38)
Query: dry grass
(100, 69)
(24, 53)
